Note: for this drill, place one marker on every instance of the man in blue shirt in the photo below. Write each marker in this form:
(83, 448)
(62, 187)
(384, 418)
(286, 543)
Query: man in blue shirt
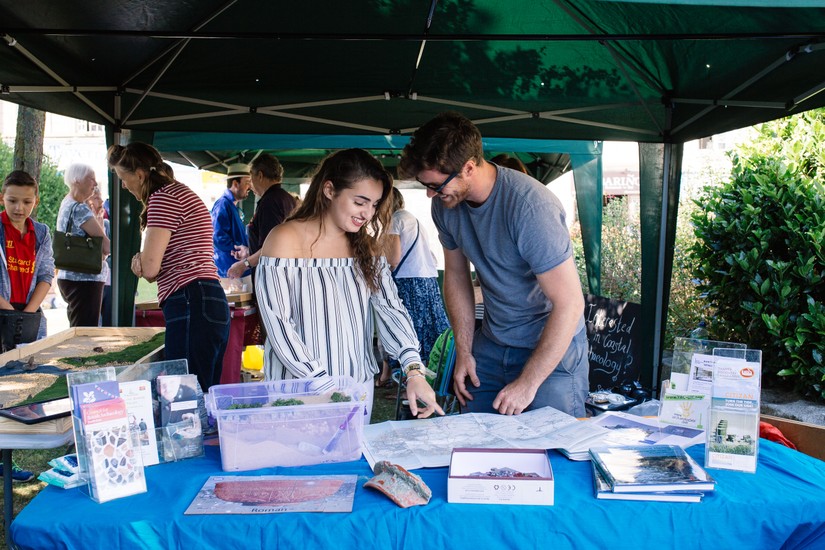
(229, 231)
(531, 349)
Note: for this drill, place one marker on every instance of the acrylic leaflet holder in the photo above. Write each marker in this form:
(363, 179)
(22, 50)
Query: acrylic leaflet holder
(733, 427)
(686, 353)
(178, 440)
(109, 460)
(138, 387)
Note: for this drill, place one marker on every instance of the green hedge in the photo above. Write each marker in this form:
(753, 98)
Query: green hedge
(759, 251)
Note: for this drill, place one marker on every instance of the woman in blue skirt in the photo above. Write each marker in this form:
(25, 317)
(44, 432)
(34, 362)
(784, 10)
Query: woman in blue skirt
(416, 275)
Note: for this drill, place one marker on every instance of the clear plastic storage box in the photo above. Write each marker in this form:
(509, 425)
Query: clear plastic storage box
(288, 422)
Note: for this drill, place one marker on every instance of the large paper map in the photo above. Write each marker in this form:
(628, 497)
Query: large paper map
(429, 443)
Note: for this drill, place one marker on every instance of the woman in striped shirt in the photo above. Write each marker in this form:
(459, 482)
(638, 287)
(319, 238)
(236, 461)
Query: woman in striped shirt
(177, 253)
(320, 284)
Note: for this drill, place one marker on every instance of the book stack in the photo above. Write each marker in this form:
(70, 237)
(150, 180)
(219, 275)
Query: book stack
(664, 473)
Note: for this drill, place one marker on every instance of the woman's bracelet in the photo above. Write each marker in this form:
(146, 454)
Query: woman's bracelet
(414, 375)
(413, 367)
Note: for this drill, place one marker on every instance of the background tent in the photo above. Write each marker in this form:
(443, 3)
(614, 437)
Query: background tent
(546, 159)
(301, 154)
(656, 72)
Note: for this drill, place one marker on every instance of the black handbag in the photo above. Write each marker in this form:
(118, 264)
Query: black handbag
(81, 254)
(18, 327)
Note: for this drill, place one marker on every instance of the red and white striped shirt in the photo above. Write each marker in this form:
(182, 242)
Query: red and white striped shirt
(188, 256)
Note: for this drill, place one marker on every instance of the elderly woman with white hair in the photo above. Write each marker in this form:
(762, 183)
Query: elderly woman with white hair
(83, 292)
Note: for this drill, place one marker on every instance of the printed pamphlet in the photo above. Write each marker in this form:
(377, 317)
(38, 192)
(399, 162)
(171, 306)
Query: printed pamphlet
(114, 468)
(138, 398)
(684, 408)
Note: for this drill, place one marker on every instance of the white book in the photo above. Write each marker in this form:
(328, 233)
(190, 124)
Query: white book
(138, 398)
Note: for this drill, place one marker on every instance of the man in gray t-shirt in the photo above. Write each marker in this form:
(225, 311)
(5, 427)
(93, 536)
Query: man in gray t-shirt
(531, 350)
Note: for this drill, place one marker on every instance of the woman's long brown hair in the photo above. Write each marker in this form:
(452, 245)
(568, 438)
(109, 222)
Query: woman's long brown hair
(141, 155)
(345, 168)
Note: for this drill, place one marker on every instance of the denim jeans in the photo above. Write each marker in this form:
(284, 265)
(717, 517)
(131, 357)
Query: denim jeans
(496, 366)
(197, 328)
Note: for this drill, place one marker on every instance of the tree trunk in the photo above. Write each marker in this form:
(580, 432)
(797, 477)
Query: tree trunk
(28, 145)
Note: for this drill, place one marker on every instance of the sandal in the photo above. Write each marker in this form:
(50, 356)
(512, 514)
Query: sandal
(388, 383)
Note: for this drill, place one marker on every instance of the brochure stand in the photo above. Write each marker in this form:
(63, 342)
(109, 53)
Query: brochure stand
(167, 440)
(687, 352)
(733, 430)
(686, 392)
(129, 428)
(110, 465)
(181, 402)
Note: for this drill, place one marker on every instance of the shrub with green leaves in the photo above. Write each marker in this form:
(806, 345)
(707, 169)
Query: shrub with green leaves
(759, 252)
(621, 252)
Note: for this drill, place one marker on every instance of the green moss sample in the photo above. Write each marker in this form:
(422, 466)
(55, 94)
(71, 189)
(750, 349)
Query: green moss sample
(286, 402)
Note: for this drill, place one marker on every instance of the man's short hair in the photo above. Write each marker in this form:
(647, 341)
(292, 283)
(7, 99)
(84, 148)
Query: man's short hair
(269, 166)
(444, 143)
(21, 179)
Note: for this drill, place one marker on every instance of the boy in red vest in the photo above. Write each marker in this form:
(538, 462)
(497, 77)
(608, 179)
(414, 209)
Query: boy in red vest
(26, 258)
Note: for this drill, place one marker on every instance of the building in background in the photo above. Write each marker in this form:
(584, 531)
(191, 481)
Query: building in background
(69, 140)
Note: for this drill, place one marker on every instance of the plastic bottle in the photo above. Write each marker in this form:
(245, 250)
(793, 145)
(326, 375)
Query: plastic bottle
(700, 332)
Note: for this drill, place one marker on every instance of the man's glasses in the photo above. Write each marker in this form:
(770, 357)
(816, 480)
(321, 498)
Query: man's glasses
(437, 188)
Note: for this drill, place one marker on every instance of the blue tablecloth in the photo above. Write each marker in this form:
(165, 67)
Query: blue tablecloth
(781, 506)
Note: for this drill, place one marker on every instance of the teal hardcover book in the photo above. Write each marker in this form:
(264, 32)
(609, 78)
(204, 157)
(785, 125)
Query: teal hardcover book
(651, 468)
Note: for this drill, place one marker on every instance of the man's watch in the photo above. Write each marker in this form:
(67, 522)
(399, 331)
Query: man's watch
(246, 263)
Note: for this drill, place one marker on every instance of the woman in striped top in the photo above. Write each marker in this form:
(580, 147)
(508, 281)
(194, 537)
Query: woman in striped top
(320, 283)
(177, 253)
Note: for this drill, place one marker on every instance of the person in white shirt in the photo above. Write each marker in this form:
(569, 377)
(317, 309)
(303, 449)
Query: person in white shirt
(416, 274)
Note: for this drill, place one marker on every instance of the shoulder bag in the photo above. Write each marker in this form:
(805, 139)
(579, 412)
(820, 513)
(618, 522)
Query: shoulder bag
(81, 254)
(417, 232)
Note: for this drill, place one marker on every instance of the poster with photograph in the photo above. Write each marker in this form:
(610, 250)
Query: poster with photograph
(274, 494)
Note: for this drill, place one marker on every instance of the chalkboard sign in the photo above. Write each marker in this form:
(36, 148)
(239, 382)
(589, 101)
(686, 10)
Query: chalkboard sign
(613, 336)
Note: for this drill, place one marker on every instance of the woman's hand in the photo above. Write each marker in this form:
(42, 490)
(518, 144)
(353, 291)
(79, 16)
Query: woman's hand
(137, 268)
(236, 270)
(419, 390)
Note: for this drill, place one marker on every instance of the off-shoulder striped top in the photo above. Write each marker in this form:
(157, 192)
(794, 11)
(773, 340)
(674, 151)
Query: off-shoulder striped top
(320, 318)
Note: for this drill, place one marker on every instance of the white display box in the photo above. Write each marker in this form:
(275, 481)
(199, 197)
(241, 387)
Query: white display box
(464, 487)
